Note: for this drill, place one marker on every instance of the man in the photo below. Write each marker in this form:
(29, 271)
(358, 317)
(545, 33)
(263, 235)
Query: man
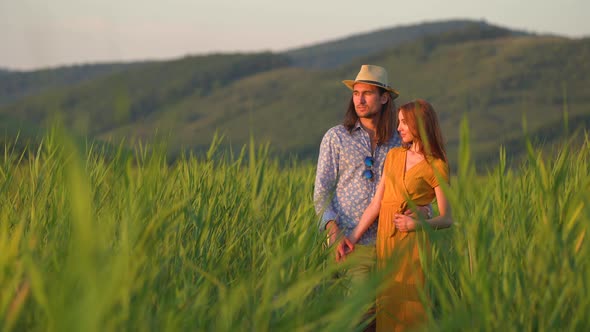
(349, 167)
(351, 160)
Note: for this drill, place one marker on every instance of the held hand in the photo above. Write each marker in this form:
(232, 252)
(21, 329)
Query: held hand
(343, 248)
(404, 223)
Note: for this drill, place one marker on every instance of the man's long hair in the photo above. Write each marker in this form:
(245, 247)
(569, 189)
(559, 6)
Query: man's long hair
(421, 111)
(385, 125)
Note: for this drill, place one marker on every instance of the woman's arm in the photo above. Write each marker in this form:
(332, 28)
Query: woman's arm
(444, 219)
(370, 214)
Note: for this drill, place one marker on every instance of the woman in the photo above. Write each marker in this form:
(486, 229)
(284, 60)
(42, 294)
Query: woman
(411, 175)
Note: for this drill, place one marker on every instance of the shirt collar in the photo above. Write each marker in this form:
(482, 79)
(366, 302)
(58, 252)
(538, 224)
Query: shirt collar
(357, 125)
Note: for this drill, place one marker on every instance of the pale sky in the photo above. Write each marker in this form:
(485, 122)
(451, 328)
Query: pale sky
(37, 34)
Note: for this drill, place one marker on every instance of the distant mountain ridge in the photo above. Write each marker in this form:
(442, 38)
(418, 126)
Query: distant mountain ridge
(493, 75)
(335, 53)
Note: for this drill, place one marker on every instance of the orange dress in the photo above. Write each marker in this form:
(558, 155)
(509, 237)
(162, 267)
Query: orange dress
(398, 304)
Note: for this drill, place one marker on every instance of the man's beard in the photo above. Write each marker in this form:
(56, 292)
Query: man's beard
(368, 115)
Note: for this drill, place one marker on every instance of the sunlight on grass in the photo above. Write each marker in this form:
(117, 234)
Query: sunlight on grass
(94, 240)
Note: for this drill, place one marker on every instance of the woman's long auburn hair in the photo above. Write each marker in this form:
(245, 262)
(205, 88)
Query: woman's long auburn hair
(420, 109)
(385, 125)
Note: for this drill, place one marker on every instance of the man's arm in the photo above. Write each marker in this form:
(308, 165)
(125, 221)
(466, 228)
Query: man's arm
(325, 181)
(324, 191)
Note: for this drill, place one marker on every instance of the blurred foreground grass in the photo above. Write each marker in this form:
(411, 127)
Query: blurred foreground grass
(95, 241)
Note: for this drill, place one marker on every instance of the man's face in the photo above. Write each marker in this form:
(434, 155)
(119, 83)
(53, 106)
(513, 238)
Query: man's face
(367, 100)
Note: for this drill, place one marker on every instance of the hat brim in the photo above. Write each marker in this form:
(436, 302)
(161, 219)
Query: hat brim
(350, 84)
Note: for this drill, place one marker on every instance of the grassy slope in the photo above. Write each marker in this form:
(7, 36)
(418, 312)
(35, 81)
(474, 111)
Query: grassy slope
(16, 84)
(129, 96)
(494, 83)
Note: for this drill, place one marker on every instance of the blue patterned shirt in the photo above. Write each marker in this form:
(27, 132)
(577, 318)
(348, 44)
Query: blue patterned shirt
(341, 192)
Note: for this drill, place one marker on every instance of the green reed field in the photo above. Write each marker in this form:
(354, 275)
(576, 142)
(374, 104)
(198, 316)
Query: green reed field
(92, 240)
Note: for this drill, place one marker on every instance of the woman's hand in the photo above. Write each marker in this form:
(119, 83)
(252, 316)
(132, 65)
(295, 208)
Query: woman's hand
(405, 223)
(343, 248)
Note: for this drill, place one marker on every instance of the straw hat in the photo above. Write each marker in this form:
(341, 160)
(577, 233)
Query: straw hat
(373, 75)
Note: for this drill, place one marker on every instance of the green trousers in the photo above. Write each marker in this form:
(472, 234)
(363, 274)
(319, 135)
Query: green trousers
(365, 262)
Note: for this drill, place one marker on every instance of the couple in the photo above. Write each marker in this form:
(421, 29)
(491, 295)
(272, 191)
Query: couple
(365, 170)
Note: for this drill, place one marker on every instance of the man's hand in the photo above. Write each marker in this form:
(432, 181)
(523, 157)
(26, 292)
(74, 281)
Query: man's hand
(424, 211)
(404, 223)
(333, 232)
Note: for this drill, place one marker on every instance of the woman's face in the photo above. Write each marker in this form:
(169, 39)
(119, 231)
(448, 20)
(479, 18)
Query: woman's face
(403, 129)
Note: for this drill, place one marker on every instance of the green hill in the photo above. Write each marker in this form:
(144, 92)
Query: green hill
(494, 82)
(18, 84)
(131, 95)
(494, 76)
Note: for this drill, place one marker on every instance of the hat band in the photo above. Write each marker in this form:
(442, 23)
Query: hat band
(375, 83)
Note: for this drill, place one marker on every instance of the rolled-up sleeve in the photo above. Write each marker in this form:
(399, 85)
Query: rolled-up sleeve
(326, 178)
